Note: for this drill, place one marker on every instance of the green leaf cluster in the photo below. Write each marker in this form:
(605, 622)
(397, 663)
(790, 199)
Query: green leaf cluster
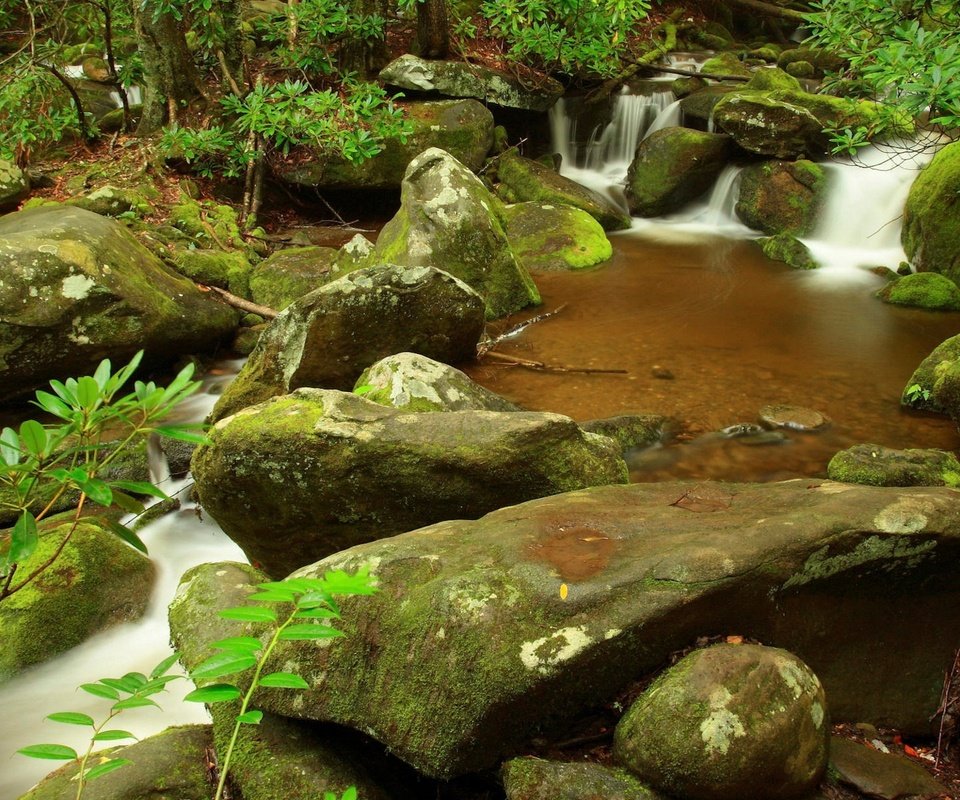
(296, 609)
(906, 55)
(566, 36)
(95, 423)
(133, 690)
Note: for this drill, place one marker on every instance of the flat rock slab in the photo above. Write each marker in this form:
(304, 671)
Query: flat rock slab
(473, 645)
(881, 775)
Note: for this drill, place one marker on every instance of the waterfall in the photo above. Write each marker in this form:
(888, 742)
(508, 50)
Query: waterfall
(633, 117)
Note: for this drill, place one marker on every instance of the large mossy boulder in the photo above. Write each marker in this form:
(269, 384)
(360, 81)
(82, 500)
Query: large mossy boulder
(464, 128)
(554, 237)
(484, 633)
(14, 185)
(171, 765)
(76, 287)
(931, 224)
(934, 371)
(449, 220)
(522, 180)
(782, 196)
(95, 582)
(229, 270)
(875, 465)
(729, 722)
(539, 779)
(461, 79)
(929, 290)
(307, 474)
(772, 116)
(412, 382)
(291, 273)
(697, 107)
(331, 335)
(673, 166)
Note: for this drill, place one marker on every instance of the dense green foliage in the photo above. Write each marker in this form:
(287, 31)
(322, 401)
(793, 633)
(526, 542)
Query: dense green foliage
(904, 54)
(40, 464)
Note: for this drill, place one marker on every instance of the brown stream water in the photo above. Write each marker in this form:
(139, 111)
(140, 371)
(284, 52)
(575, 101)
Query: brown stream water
(737, 332)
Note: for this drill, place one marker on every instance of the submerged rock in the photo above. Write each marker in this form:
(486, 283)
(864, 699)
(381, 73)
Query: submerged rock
(314, 472)
(673, 166)
(480, 605)
(449, 220)
(928, 290)
(538, 779)
(464, 128)
(796, 418)
(76, 287)
(523, 180)
(874, 465)
(931, 226)
(329, 336)
(782, 196)
(728, 722)
(630, 430)
(547, 237)
(412, 382)
(460, 79)
(96, 581)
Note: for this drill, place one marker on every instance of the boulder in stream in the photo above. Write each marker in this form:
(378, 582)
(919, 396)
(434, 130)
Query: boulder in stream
(289, 274)
(673, 166)
(96, 581)
(555, 237)
(782, 196)
(449, 220)
(304, 475)
(486, 632)
(329, 336)
(76, 287)
(929, 290)
(931, 228)
(523, 180)
(874, 465)
(788, 249)
(728, 722)
(539, 779)
(934, 385)
(462, 79)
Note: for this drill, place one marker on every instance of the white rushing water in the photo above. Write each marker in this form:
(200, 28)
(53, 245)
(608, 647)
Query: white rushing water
(861, 220)
(176, 542)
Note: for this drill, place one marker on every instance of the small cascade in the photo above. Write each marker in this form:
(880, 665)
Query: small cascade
(861, 221)
(633, 116)
(668, 118)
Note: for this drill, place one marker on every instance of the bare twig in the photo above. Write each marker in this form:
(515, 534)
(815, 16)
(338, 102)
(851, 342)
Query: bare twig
(948, 714)
(539, 366)
(239, 302)
(484, 347)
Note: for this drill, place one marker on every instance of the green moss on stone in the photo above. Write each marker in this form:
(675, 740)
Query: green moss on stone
(931, 224)
(873, 465)
(545, 237)
(230, 270)
(928, 290)
(788, 249)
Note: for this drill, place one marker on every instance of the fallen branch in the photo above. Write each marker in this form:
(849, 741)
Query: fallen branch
(539, 366)
(770, 10)
(689, 73)
(948, 710)
(484, 347)
(239, 302)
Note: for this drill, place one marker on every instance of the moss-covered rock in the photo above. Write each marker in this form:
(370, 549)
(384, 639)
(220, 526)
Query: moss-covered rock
(523, 180)
(929, 290)
(208, 224)
(673, 166)
(412, 382)
(449, 220)
(464, 128)
(291, 273)
(789, 250)
(229, 270)
(801, 69)
(171, 765)
(874, 465)
(684, 87)
(97, 581)
(944, 359)
(112, 201)
(76, 287)
(782, 196)
(873, 773)
(460, 79)
(307, 474)
(931, 224)
(821, 60)
(14, 185)
(479, 605)
(630, 430)
(538, 779)
(698, 106)
(548, 237)
(329, 336)
(728, 722)
(726, 64)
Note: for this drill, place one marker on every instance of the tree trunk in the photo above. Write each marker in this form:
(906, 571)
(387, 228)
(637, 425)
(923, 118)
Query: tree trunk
(433, 31)
(170, 77)
(363, 56)
(232, 46)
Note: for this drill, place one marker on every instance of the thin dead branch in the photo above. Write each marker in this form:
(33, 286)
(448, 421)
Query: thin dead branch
(239, 302)
(484, 347)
